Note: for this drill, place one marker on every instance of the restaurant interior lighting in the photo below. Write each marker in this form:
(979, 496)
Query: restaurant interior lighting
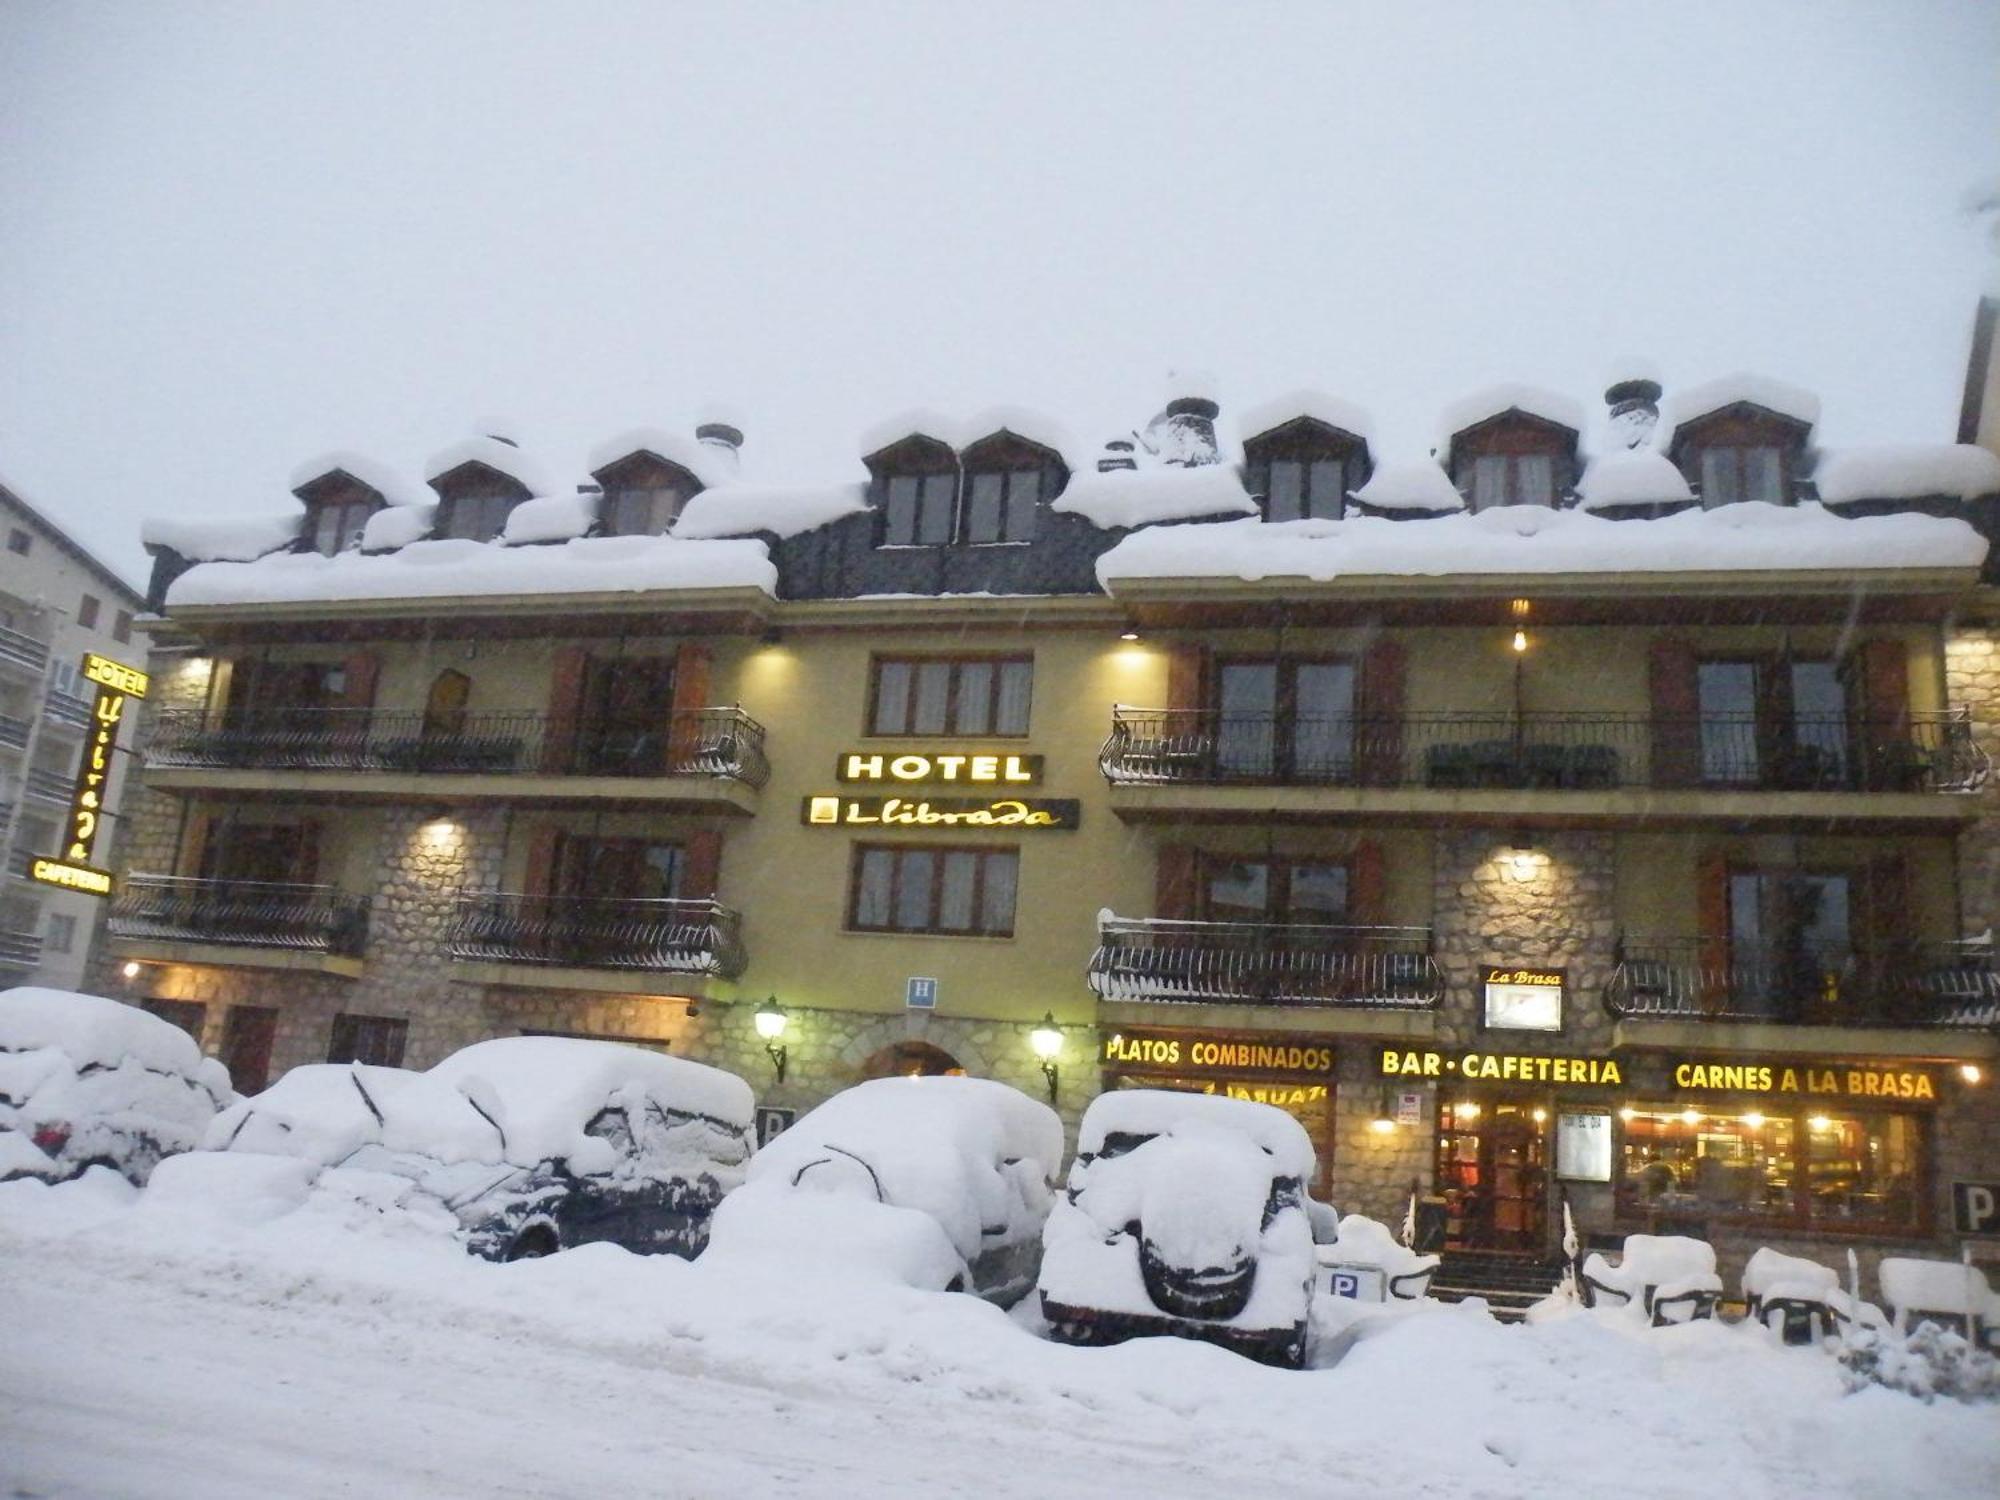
(770, 1021)
(1754, 1120)
(1690, 1116)
(1820, 1124)
(1046, 1041)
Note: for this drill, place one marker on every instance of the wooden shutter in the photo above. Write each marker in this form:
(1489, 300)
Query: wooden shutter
(358, 689)
(305, 852)
(1887, 942)
(1187, 669)
(1712, 923)
(567, 670)
(1367, 897)
(1883, 677)
(195, 830)
(1378, 752)
(1174, 882)
(687, 731)
(1673, 686)
(701, 872)
(544, 847)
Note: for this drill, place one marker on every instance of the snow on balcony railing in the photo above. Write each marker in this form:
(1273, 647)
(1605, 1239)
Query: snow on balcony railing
(246, 913)
(590, 932)
(1264, 963)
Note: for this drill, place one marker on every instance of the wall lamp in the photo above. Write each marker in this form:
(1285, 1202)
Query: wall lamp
(130, 968)
(1047, 1040)
(1129, 633)
(1384, 1122)
(770, 1020)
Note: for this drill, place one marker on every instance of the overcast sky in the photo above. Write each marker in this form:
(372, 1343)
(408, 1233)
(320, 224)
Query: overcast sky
(233, 236)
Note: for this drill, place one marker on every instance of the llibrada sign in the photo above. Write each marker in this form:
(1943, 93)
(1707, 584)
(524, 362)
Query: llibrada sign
(71, 870)
(941, 813)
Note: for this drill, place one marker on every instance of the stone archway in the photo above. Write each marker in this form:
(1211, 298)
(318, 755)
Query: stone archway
(911, 1059)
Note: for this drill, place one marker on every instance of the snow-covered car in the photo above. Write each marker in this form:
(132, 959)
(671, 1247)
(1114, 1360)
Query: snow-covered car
(952, 1178)
(86, 1081)
(529, 1144)
(1185, 1214)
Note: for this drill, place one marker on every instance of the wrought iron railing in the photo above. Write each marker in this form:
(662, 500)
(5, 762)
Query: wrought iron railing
(1545, 750)
(68, 709)
(1261, 963)
(50, 786)
(13, 732)
(719, 742)
(246, 913)
(591, 932)
(20, 950)
(20, 861)
(23, 650)
(1891, 984)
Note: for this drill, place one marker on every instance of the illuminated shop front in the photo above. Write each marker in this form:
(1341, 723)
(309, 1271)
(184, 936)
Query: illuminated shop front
(1294, 1073)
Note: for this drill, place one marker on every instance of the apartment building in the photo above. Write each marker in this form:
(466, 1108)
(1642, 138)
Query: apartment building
(1593, 815)
(57, 603)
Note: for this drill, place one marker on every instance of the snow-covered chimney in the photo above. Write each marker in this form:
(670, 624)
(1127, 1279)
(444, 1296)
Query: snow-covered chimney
(1117, 455)
(723, 440)
(1635, 412)
(1185, 432)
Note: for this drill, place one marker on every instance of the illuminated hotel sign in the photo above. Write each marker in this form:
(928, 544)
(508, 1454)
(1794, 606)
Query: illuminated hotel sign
(72, 869)
(1500, 1067)
(967, 770)
(941, 812)
(1817, 1077)
(1199, 1053)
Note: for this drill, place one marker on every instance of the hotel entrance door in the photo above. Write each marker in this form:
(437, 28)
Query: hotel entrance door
(1492, 1170)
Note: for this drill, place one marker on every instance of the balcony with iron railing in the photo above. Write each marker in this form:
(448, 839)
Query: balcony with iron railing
(45, 785)
(14, 732)
(1899, 984)
(23, 652)
(591, 932)
(1542, 751)
(66, 710)
(720, 744)
(19, 950)
(1264, 963)
(255, 914)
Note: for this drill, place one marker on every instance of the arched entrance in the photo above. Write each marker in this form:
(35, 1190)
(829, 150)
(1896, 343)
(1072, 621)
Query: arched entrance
(911, 1059)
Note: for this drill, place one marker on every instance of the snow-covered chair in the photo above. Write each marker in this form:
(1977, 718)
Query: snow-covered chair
(1670, 1277)
(1367, 1243)
(1793, 1296)
(1948, 1293)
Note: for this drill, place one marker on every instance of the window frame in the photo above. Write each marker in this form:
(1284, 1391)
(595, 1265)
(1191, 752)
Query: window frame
(370, 1040)
(1309, 443)
(957, 661)
(88, 608)
(20, 541)
(1280, 870)
(984, 854)
(121, 627)
(1013, 512)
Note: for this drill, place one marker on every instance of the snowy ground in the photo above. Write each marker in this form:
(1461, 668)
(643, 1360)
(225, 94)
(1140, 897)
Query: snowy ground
(148, 1352)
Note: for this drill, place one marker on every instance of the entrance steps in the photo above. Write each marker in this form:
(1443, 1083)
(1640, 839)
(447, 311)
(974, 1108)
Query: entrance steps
(1510, 1283)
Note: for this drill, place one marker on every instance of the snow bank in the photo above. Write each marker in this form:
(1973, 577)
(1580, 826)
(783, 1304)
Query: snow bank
(975, 1155)
(1696, 401)
(398, 526)
(765, 1222)
(1634, 476)
(1912, 471)
(1166, 492)
(1266, 416)
(553, 518)
(221, 541)
(740, 509)
(379, 477)
(1517, 539)
(454, 569)
(1422, 485)
(1481, 405)
(236, 1187)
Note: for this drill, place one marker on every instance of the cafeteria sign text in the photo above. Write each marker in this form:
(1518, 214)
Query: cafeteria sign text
(72, 870)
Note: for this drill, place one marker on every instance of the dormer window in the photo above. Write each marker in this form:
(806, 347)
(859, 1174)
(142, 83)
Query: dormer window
(475, 501)
(643, 495)
(337, 510)
(1006, 480)
(1513, 458)
(1731, 474)
(1513, 479)
(1304, 470)
(916, 487)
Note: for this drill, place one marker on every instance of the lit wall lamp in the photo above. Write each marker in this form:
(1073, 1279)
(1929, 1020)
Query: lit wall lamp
(130, 968)
(1047, 1041)
(1520, 640)
(1970, 1072)
(770, 1019)
(1384, 1122)
(1521, 855)
(1129, 633)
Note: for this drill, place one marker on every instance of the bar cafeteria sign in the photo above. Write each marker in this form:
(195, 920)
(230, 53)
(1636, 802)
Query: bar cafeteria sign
(72, 869)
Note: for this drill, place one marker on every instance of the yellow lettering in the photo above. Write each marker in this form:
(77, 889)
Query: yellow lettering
(948, 766)
(985, 768)
(910, 767)
(1016, 771)
(864, 768)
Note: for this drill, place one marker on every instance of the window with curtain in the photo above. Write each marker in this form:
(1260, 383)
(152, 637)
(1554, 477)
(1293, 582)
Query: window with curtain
(1513, 479)
(1733, 474)
(951, 695)
(919, 510)
(946, 891)
(1000, 505)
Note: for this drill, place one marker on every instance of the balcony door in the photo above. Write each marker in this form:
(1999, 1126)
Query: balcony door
(1285, 720)
(1790, 939)
(1275, 891)
(270, 853)
(1773, 723)
(1492, 1169)
(1294, 943)
(628, 706)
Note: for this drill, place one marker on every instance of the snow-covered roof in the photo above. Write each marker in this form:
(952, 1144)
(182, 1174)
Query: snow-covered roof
(552, 518)
(234, 540)
(1696, 401)
(961, 433)
(398, 526)
(1479, 406)
(1747, 537)
(1254, 421)
(493, 453)
(1422, 485)
(740, 509)
(1631, 476)
(450, 569)
(385, 481)
(1907, 471)
(1162, 492)
(907, 424)
(708, 463)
